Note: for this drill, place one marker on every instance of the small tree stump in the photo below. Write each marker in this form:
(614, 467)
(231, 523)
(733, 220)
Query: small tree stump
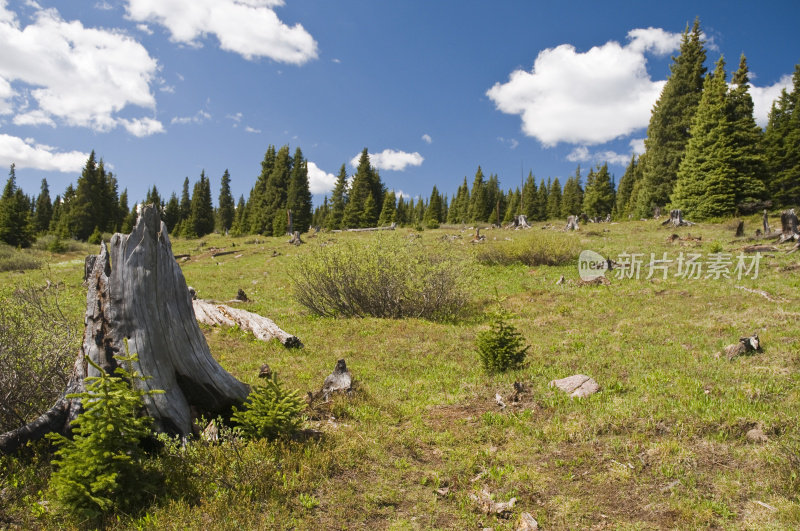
(676, 219)
(295, 239)
(765, 223)
(740, 229)
(789, 227)
(572, 223)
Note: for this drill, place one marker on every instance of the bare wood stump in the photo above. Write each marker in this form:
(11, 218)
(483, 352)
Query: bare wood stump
(765, 223)
(789, 227)
(295, 239)
(137, 292)
(676, 219)
(572, 223)
(740, 229)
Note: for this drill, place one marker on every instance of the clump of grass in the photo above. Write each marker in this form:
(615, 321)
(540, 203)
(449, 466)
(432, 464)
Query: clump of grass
(15, 260)
(54, 244)
(531, 249)
(385, 276)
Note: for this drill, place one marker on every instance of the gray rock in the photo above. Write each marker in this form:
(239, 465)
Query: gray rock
(577, 385)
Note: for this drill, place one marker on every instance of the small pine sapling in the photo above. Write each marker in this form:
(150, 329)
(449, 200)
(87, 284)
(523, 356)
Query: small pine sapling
(101, 467)
(270, 412)
(501, 347)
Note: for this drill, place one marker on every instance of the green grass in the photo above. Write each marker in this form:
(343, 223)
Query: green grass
(662, 445)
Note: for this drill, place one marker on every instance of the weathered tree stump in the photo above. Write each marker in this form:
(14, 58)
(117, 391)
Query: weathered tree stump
(765, 223)
(295, 239)
(789, 227)
(676, 219)
(740, 229)
(521, 222)
(137, 292)
(572, 223)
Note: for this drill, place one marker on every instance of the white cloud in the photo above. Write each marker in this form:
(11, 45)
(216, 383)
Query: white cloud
(586, 97)
(320, 181)
(582, 154)
(78, 76)
(391, 159)
(512, 142)
(169, 89)
(6, 93)
(36, 117)
(198, 118)
(247, 27)
(764, 96)
(143, 126)
(144, 28)
(427, 138)
(103, 6)
(637, 145)
(335, 60)
(249, 129)
(235, 117)
(27, 154)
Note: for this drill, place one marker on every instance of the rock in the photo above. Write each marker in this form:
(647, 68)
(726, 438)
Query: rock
(577, 385)
(527, 523)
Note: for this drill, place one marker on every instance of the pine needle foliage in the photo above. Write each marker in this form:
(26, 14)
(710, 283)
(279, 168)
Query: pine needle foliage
(101, 468)
(502, 347)
(270, 412)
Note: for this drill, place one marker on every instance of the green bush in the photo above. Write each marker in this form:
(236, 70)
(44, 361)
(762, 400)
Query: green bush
(96, 237)
(15, 260)
(532, 248)
(270, 412)
(501, 347)
(102, 467)
(385, 276)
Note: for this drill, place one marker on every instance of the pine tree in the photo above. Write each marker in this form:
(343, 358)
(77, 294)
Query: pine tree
(122, 210)
(625, 190)
(572, 199)
(540, 206)
(782, 146)
(401, 216)
(259, 207)
(172, 212)
(668, 131)
(479, 208)
(338, 201)
(433, 214)
(513, 208)
(44, 209)
(298, 196)
(706, 185)
(186, 202)
(15, 223)
(240, 225)
(529, 200)
(366, 183)
(459, 208)
(201, 219)
(389, 208)
(226, 208)
(494, 200)
(554, 200)
(598, 198)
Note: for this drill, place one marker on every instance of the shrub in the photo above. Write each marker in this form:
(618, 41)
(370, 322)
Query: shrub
(385, 276)
(501, 347)
(101, 468)
(37, 346)
(530, 248)
(15, 260)
(270, 412)
(96, 237)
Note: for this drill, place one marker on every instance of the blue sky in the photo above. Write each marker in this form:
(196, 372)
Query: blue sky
(162, 89)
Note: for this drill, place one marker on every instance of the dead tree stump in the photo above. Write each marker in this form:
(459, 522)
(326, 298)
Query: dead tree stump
(740, 229)
(137, 292)
(789, 227)
(572, 223)
(295, 239)
(676, 219)
(765, 223)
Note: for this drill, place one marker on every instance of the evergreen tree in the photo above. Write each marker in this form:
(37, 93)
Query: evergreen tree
(479, 208)
(598, 199)
(459, 208)
(186, 202)
(366, 183)
(56, 217)
(388, 211)
(554, 200)
(782, 146)
(130, 219)
(494, 200)
(226, 210)
(513, 209)
(433, 214)
(15, 224)
(668, 131)
(172, 213)
(201, 219)
(321, 213)
(298, 196)
(44, 209)
(276, 193)
(258, 205)
(709, 183)
(572, 200)
(122, 210)
(154, 198)
(540, 206)
(529, 199)
(625, 189)
(338, 201)
(240, 225)
(401, 216)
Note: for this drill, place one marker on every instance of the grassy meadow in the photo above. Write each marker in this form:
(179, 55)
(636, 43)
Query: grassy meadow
(662, 445)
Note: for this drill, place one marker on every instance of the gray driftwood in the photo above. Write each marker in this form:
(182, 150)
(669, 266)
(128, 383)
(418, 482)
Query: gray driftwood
(212, 313)
(137, 291)
(744, 346)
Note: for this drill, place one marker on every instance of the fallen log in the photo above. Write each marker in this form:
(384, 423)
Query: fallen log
(137, 294)
(215, 314)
